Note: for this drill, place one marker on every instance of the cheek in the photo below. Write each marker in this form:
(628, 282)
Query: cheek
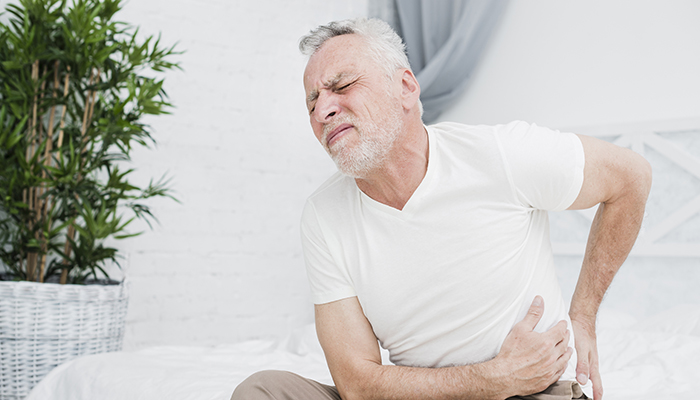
(317, 128)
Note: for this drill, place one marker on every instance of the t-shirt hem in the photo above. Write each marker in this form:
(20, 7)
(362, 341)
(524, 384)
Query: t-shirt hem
(323, 298)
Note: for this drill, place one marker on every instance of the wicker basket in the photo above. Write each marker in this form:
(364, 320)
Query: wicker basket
(43, 325)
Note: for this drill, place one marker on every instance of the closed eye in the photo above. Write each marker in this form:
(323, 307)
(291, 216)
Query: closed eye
(335, 88)
(345, 86)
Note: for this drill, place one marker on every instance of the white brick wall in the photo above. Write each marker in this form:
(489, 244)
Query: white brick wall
(225, 265)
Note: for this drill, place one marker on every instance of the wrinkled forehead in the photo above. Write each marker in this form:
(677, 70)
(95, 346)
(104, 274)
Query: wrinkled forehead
(344, 54)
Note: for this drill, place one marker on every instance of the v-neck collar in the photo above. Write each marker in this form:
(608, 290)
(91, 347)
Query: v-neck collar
(413, 203)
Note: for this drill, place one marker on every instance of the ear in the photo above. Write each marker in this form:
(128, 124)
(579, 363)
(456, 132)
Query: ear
(410, 89)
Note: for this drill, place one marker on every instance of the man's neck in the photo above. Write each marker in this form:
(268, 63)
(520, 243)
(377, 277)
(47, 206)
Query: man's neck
(394, 183)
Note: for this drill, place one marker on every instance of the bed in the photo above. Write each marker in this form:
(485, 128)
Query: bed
(657, 358)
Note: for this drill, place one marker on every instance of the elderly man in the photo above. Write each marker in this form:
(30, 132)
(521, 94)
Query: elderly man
(433, 240)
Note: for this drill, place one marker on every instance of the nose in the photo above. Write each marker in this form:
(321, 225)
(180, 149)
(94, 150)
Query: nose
(327, 107)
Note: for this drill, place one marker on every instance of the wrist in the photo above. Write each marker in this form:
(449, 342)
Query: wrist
(583, 311)
(493, 379)
(583, 324)
(583, 317)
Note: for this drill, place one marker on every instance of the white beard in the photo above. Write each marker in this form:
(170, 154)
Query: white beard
(374, 145)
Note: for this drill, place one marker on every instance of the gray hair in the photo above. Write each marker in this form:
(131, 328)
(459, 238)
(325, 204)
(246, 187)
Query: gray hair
(384, 45)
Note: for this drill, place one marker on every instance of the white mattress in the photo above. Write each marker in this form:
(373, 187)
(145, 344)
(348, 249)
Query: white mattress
(658, 358)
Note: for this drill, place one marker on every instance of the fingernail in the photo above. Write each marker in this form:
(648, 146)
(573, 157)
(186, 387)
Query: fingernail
(537, 302)
(582, 379)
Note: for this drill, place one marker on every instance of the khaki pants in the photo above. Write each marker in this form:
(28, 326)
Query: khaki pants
(282, 385)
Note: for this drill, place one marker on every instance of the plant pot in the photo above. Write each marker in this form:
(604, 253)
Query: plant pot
(43, 325)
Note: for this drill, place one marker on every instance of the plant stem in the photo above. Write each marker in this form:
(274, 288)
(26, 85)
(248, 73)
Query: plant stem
(31, 257)
(32, 134)
(47, 162)
(31, 266)
(52, 113)
(83, 128)
(66, 82)
(59, 143)
(92, 98)
(42, 264)
(66, 250)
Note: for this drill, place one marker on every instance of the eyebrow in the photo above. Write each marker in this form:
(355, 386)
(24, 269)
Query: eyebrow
(331, 83)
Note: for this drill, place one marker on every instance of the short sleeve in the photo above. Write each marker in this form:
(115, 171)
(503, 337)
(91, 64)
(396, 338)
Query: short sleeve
(328, 282)
(545, 165)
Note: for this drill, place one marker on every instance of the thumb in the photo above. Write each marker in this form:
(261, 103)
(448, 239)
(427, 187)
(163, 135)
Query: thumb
(582, 371)
(534, 314)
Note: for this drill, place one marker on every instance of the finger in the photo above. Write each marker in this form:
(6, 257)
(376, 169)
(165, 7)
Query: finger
(582, 371)
(534, 314)
(597, 384)
(564, 342)
(563, 362)
(558, 333)
(561, 329)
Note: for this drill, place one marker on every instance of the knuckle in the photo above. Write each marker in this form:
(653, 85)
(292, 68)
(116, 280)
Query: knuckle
(569, 353)
(535, 312)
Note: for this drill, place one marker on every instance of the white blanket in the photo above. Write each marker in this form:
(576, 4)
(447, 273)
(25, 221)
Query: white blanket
(658, 358)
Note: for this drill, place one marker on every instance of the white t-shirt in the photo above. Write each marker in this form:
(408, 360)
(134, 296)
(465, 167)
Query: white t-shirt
(444, 280)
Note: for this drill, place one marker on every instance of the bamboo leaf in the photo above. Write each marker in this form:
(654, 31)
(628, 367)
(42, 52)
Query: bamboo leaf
(16, 135)
(127, 235)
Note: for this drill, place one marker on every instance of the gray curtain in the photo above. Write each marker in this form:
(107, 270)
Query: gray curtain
(444, 40)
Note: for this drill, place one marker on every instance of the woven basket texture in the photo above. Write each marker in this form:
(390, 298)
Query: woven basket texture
(43, 325)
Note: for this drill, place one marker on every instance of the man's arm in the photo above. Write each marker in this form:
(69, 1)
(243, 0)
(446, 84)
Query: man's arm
(528, 361)
(619, 180)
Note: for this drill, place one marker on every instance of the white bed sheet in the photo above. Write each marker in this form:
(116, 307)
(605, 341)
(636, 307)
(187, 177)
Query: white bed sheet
(658, 358)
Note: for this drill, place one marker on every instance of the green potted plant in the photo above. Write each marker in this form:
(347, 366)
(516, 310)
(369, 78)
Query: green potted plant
(74, 87)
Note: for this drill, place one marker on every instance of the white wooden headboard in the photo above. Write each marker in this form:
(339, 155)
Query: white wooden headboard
(672, 222)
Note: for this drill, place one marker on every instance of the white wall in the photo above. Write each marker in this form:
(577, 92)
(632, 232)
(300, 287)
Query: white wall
(225, 265)
(563, 63)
